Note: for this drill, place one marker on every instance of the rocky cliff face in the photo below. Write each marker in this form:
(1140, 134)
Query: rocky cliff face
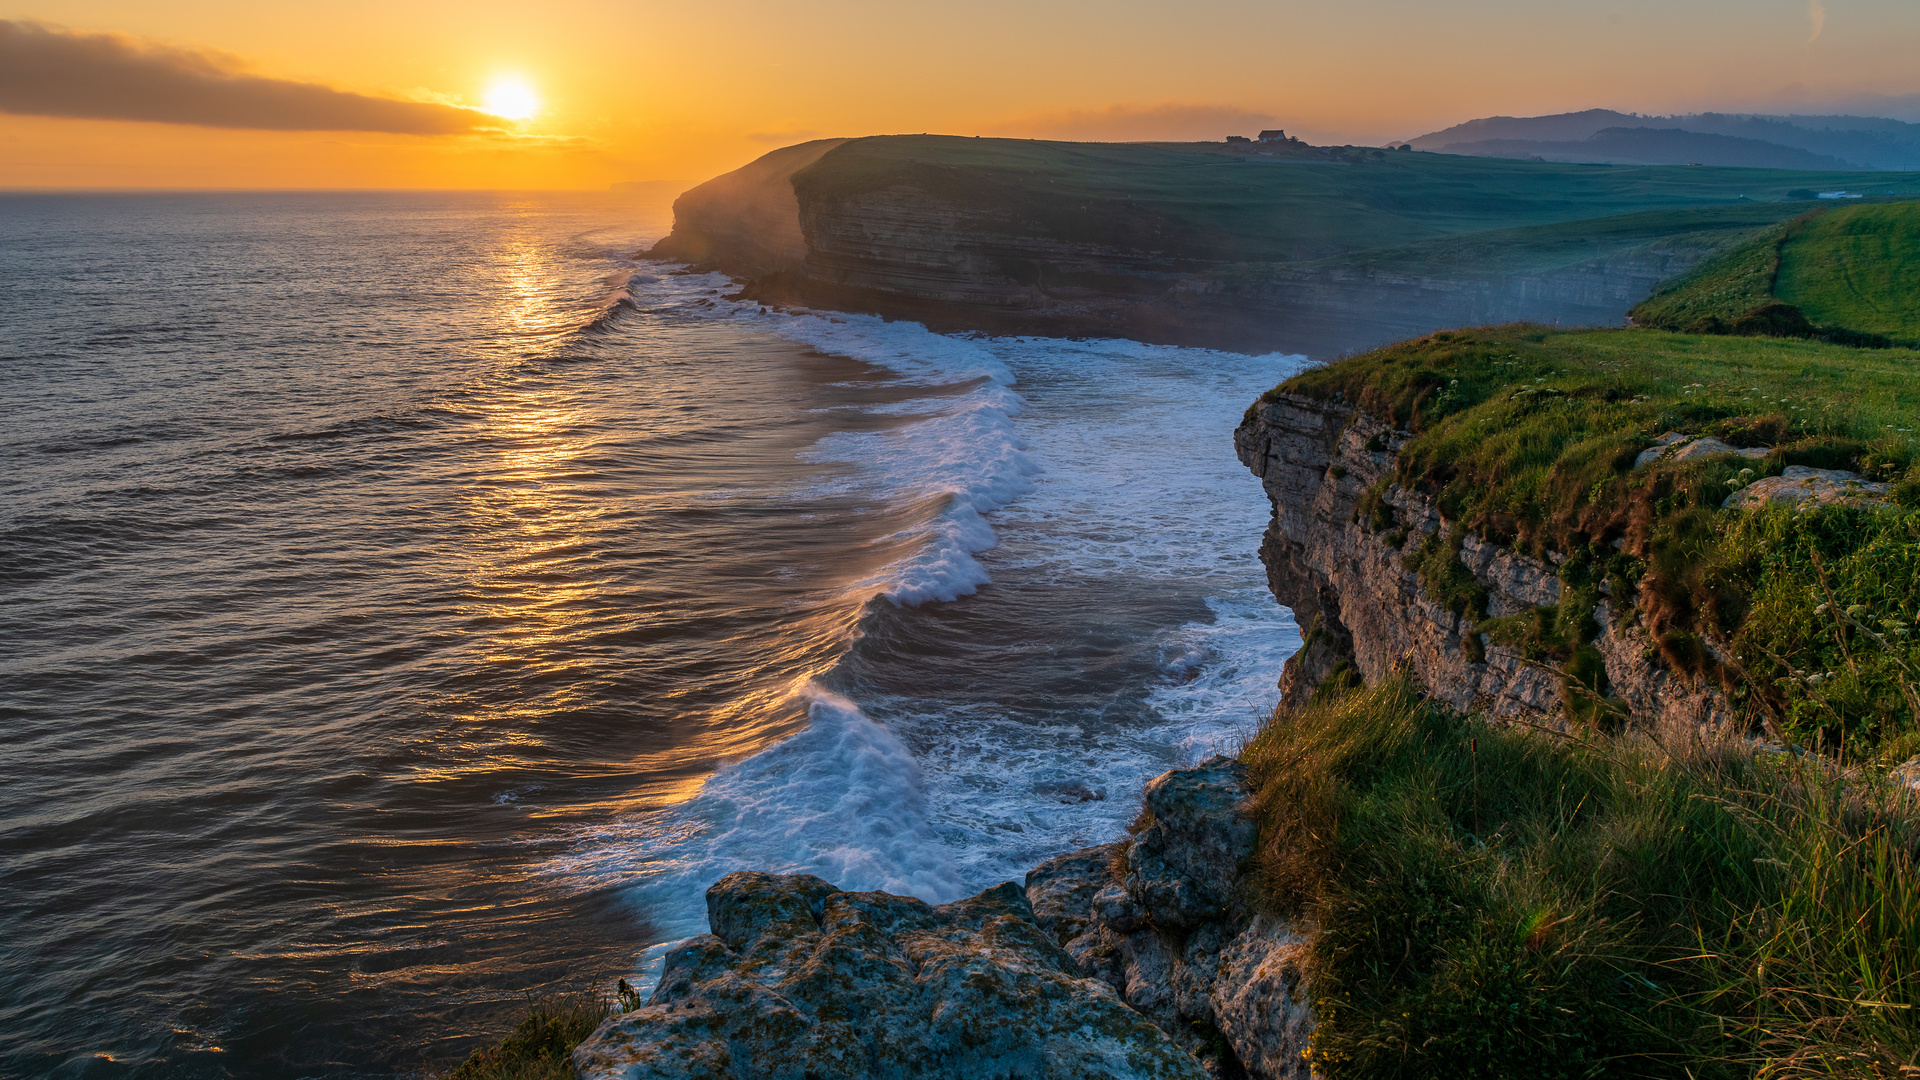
(1345, 576)
(987, 247)
(907, 252)
(746, 222)
(1140, 959)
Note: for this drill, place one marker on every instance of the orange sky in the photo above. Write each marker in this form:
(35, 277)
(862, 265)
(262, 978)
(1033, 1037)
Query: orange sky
(641, 90)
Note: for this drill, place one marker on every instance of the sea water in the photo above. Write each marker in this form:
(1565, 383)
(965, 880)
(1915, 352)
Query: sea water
(410, 602)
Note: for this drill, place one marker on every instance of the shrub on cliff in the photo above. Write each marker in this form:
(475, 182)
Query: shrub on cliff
(1506, 902)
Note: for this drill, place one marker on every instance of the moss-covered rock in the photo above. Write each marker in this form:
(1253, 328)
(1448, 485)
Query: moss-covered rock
(801, 980)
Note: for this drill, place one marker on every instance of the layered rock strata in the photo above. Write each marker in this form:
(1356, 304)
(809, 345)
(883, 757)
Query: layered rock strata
(1349, 582)
(909, 253)
(972, 249)
(1140, 959)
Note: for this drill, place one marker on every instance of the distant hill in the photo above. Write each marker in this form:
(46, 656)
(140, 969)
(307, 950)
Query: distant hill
(1656, 146)
(1560, 127)
(1746, 140)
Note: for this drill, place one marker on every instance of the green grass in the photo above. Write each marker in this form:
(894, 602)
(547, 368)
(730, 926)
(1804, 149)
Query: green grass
(1715, 295)
(1495, 902)
(1527, 436)
(541, 1044)
(1849, 275)
(1857, 267)
(1204, 201)
(1702, 231)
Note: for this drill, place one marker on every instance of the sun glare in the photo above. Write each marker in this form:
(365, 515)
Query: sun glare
(512, 98)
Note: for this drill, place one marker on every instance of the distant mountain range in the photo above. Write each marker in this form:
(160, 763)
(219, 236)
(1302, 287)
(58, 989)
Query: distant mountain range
(1752, 141)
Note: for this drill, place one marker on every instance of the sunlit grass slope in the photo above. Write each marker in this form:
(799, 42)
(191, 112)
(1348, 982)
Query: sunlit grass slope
(1496, 902)
(1849, 275)
(1208, 201)
(1528, 436)
(1857, 267)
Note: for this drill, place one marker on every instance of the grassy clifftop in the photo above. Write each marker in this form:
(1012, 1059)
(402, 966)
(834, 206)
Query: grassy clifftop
(1637, 899)
(1528, 437)
(1213, 201)
(1315, 249)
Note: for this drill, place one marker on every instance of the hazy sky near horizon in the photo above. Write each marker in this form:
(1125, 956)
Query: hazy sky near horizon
(230, 93)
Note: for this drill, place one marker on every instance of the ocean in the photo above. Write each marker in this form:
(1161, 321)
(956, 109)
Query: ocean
(409, 603)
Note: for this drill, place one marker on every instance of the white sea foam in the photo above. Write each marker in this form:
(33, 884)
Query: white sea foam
(1112, 470)
(842, 799)
(965, 457)
(969, 461)
(1140, 488)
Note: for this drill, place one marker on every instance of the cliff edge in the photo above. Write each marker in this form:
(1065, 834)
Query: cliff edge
(1597, 527)
(745, 223)
(1346, 565)
(1319, 250)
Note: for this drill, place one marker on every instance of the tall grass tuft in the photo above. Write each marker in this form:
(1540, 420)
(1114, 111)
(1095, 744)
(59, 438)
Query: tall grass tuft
(541, 1044)
(1503, 901)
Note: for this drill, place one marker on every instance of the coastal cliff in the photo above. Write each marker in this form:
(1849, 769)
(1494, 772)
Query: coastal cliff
(1346, 570)
(1320, 250)
(906, 252)
(746, 222)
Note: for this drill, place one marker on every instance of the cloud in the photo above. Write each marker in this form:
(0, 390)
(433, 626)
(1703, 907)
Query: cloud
(50, 72)
(1817, 18)
(1137, 123)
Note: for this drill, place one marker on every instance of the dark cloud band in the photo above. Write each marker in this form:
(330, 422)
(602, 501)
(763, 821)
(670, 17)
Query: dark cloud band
(49, 72)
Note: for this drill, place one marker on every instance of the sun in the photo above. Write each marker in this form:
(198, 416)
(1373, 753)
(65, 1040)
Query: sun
(512, 98)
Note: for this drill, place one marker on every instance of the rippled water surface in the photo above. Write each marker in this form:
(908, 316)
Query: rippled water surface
(408, 602)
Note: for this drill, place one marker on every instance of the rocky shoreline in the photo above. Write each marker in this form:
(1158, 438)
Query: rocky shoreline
(1145, 958)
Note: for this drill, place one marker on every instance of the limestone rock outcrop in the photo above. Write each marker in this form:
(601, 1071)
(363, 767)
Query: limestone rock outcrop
(1170, 926)
(799, 980)
(1349, 583)
(1139, 959)
(1798, 484)
(1677, 447)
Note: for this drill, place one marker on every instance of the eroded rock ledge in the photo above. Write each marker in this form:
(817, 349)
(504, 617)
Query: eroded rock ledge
(1348, 582)
(1139, 959)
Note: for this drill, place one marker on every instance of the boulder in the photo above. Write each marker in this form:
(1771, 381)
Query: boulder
(1183, 866)
(1180, 943)
(1166, 974)
(1907, 774)
(1260, 1002)
(801, 980)
(1061, 889)
(1799, 484)
(1117, 909)
(1675, 447)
